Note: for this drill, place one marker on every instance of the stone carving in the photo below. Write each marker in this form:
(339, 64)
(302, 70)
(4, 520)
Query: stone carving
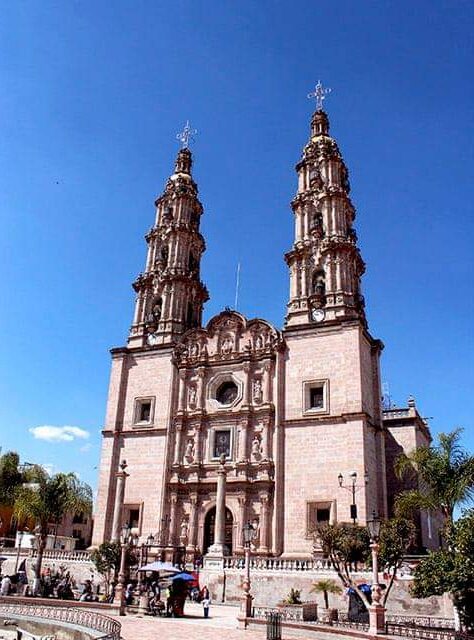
(226, 335)
(256, 448)
(257, 391)
(192, 396)
(194, 349)
(183, 531)
(226, 346)
(189, 452)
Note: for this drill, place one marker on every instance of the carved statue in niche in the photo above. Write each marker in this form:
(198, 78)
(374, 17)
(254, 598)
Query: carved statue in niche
(194, 349)
(256, 448)
(189, 452)
(226, 346)
(192, 395)
(257, 391)
(259, 342)
(183, 531)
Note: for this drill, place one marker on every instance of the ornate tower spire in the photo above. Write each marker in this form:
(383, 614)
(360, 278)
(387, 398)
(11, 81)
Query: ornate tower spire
(325, 263)
(170, 294)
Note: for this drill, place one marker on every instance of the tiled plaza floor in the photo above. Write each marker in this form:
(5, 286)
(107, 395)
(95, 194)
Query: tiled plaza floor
(221, 625)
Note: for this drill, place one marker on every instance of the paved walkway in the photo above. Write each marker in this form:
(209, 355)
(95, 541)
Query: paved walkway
(221, 625)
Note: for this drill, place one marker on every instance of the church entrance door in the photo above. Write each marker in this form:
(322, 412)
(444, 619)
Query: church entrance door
(209, 524)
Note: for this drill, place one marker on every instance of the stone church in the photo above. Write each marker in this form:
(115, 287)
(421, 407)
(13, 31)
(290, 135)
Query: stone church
(296, 411)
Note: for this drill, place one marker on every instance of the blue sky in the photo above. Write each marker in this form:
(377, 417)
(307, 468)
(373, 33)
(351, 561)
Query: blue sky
(92, 96)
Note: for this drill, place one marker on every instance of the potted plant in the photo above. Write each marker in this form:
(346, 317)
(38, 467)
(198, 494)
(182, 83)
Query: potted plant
(327, 586)
(294, 609)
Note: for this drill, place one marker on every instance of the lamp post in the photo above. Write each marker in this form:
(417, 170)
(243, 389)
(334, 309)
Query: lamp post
(143, 592)
(352, 488)
(20, 538)
(376, 609)
(126, 540)
(249, 533)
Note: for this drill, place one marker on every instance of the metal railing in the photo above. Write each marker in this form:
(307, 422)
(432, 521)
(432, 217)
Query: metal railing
(421, 621)
(70, 615)
(296, 615)
(425, 633)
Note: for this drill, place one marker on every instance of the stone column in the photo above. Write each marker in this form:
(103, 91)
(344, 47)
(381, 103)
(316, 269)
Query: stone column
(218, 548)
(242, 513)
(117, 523)
(243, 440)
(182, 390)
(192, 520)
(267, 389)
(177, 447)
(171, 533)
(201, 390)
(198, 445)
(248, 383)
(264, 509)
(266, 439)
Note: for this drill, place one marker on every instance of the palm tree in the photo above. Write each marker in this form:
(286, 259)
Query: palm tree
(445, 477)
(326, 586)
(46, 501)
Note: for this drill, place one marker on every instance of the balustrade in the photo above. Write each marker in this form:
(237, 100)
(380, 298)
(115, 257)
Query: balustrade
(70, 615)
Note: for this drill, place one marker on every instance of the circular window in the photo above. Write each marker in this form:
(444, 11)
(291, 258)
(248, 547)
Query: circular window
(227, 392)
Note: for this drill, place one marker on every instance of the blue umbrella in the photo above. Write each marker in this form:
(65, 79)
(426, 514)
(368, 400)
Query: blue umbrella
(183, 576)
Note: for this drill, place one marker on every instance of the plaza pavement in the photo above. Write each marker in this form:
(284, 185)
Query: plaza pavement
(221, 625)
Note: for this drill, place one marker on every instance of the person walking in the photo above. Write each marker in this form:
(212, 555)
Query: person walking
(206, 601)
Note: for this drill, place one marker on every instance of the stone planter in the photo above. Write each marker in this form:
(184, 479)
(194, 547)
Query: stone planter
(298, 612)
(328, 615)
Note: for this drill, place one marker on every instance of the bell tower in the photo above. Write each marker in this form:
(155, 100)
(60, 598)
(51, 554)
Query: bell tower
(325, 264)
(170, 294)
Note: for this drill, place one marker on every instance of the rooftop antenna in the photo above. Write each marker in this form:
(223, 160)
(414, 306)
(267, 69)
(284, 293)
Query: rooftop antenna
(237, 284)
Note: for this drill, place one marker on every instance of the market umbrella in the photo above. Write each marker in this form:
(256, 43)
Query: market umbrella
(187, 577)
(160, 567)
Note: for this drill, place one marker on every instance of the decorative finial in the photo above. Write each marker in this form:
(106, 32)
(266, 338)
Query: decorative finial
(320, 94)
(186, 135)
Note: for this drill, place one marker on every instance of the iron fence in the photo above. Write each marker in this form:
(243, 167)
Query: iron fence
(109, 627)
(425, 633)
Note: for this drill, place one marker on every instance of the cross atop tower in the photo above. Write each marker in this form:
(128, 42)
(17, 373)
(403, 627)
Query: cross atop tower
(320, 94)
(186, 135)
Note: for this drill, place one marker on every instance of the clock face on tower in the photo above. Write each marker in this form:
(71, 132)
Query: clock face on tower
(317, 315)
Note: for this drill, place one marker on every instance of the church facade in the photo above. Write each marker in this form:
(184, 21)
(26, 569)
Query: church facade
(295, 412)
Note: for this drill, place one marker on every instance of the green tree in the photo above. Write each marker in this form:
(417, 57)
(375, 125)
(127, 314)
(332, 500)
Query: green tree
(397, 535)
(451, 570)
(346, 546)
(46, 501)
(445, 473)
(106, 559)
(10, 477)
(326, 586)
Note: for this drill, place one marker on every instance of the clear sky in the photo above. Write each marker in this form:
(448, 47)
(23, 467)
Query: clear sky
(92, 95)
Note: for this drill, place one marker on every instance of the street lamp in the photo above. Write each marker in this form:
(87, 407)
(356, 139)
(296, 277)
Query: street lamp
(376, 610)
(352, 488)
(249, 534)
(20, 538)
(143, 600)
(126, 540)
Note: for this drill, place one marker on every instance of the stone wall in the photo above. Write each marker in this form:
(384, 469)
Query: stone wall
(270, 587)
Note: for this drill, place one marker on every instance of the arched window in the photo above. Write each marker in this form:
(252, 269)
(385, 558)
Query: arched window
(190, 318)
(157, 308)
(318, 283)
(165, 254)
